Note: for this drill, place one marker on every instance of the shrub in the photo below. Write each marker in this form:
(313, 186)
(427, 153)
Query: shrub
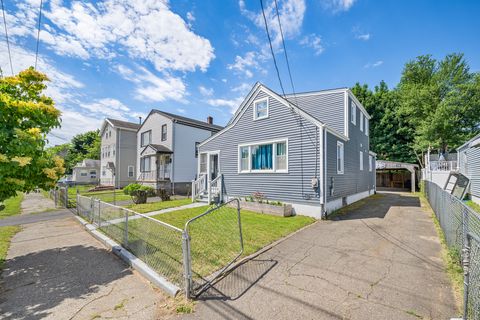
(138, 192)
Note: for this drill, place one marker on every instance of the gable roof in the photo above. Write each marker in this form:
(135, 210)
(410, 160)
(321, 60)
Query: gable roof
(158, 148)
(186, 121)
(119, 124)
(474, 142)
(289, 104)
(88, 163)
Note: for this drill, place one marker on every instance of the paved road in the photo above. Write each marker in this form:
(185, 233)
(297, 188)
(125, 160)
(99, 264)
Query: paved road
(56, 270)
(382, 261)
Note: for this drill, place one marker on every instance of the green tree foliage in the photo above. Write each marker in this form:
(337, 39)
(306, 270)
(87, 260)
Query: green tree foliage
(83, 146)
(436, 105)
(439, 102)
(26, 117)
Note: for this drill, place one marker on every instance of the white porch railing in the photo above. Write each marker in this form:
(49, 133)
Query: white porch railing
(215, 189)
(443, 165)
(199, 186)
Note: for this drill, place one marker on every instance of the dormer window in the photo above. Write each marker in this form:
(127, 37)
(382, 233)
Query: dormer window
(260, 109)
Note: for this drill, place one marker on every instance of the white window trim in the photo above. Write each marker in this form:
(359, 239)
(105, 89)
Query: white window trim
(366, 127)
(274, 153)
(361, 160)
(255, 108)
(340, 144)
(361, 121)
(353, 113)
(370, 163)
(200, 160)
(133, 171)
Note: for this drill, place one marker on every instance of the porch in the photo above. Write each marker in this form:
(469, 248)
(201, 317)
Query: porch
(208, 187)
(156, 165)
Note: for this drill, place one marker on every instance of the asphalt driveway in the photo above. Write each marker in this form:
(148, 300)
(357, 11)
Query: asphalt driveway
(380, 261)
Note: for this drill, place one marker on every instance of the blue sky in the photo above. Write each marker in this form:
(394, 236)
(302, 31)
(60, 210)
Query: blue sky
(120, 58)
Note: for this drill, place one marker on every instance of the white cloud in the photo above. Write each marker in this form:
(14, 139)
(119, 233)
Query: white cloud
(231, 104)
(313, 41)
(205, 91)
(141, 29)
(243, 88)
(374, 64)
(364, 37)
(190, 18)
(107, 107)
(180, 110)
(337, 5)
(244, 65)
(291, 14)
(150, 87)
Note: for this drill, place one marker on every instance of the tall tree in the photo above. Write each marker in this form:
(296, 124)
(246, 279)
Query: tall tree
(439, 103)
(26, 117)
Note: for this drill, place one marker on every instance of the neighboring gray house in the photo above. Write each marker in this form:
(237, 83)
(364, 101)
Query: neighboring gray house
(167, 150)
(119, 147)
(310, 150)
(469, 165)
(86, 172)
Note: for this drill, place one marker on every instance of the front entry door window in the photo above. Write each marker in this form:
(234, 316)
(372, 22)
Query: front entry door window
(214, 168)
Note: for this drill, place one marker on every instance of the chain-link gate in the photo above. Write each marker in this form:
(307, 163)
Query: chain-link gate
(212, 242)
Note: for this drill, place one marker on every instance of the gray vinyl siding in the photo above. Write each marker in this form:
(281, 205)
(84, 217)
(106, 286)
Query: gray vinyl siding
(473, 170)
(126, 156)
(282, 123)
(353, 180)
(328, 108)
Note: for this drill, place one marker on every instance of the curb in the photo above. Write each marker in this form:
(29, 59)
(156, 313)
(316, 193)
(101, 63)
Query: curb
(131, 259)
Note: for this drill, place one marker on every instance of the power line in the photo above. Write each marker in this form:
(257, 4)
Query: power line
(271, 48)
(6, 36)
(38, 32)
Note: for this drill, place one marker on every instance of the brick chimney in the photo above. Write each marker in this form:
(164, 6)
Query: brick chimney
(209, 120)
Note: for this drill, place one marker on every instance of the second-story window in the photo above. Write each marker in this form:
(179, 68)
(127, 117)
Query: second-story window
(353, 113)
(164, 132)
(196, 149)
(361, 121)
(146, 138)
(366, 126)
(260, 109)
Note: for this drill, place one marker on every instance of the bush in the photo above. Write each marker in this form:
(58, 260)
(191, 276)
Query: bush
(138, 192)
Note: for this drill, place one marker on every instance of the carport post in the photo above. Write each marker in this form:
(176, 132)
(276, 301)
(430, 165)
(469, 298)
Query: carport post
(413, 180)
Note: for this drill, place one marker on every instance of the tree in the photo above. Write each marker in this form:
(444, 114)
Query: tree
(83, 146)
(26, 117)
(439, 103)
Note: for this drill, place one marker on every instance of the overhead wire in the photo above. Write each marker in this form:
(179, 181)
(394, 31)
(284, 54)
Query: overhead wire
(6, 37)
(38, 33)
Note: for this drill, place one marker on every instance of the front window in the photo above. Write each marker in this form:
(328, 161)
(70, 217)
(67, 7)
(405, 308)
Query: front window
(146, 138)
(260, 109)
(145, 164)
(83, 174)
(164, 132)
(264, 157)
(340, 161)
(203, 163)
(130, 171)
(353, 113)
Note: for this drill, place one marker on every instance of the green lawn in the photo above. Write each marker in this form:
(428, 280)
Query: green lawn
(106, 195)
(6, 233)
(475, 206)
(160, 205)
(215, 238)
(12, 206)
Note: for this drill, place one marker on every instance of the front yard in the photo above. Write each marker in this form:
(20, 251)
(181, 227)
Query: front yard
(12, 206)
(159, 205)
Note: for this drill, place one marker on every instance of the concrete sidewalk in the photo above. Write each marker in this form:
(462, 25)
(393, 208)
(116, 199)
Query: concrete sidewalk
(381, 261)
(56, 270)
(35, 202)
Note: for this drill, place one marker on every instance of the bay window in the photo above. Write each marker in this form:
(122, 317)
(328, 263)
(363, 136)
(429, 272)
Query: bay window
(263, 157)
(145, 164)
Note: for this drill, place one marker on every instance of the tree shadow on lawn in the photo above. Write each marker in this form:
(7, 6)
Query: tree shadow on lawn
(238, 280)
(34, 283)
(376, 206)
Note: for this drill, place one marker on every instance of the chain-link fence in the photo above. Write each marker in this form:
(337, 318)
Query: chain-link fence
(215, 242)
(461, 226)
(156, 243)
(59, 195)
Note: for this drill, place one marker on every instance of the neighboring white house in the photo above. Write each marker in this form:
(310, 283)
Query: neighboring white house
(167, 150)
(118, 147)
(86, 172)
(438, 167)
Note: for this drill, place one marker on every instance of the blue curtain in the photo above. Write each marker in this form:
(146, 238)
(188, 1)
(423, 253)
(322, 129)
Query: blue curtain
(262, 157)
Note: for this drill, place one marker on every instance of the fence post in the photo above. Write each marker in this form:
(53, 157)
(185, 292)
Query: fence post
(77, 198)
(66, 196)
(466, 278)
(126, 230)
(186, 263)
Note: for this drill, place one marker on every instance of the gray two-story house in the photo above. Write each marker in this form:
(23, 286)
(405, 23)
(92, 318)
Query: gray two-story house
(469, 165)
(168, 149)
(310, 150)
(118, 147)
